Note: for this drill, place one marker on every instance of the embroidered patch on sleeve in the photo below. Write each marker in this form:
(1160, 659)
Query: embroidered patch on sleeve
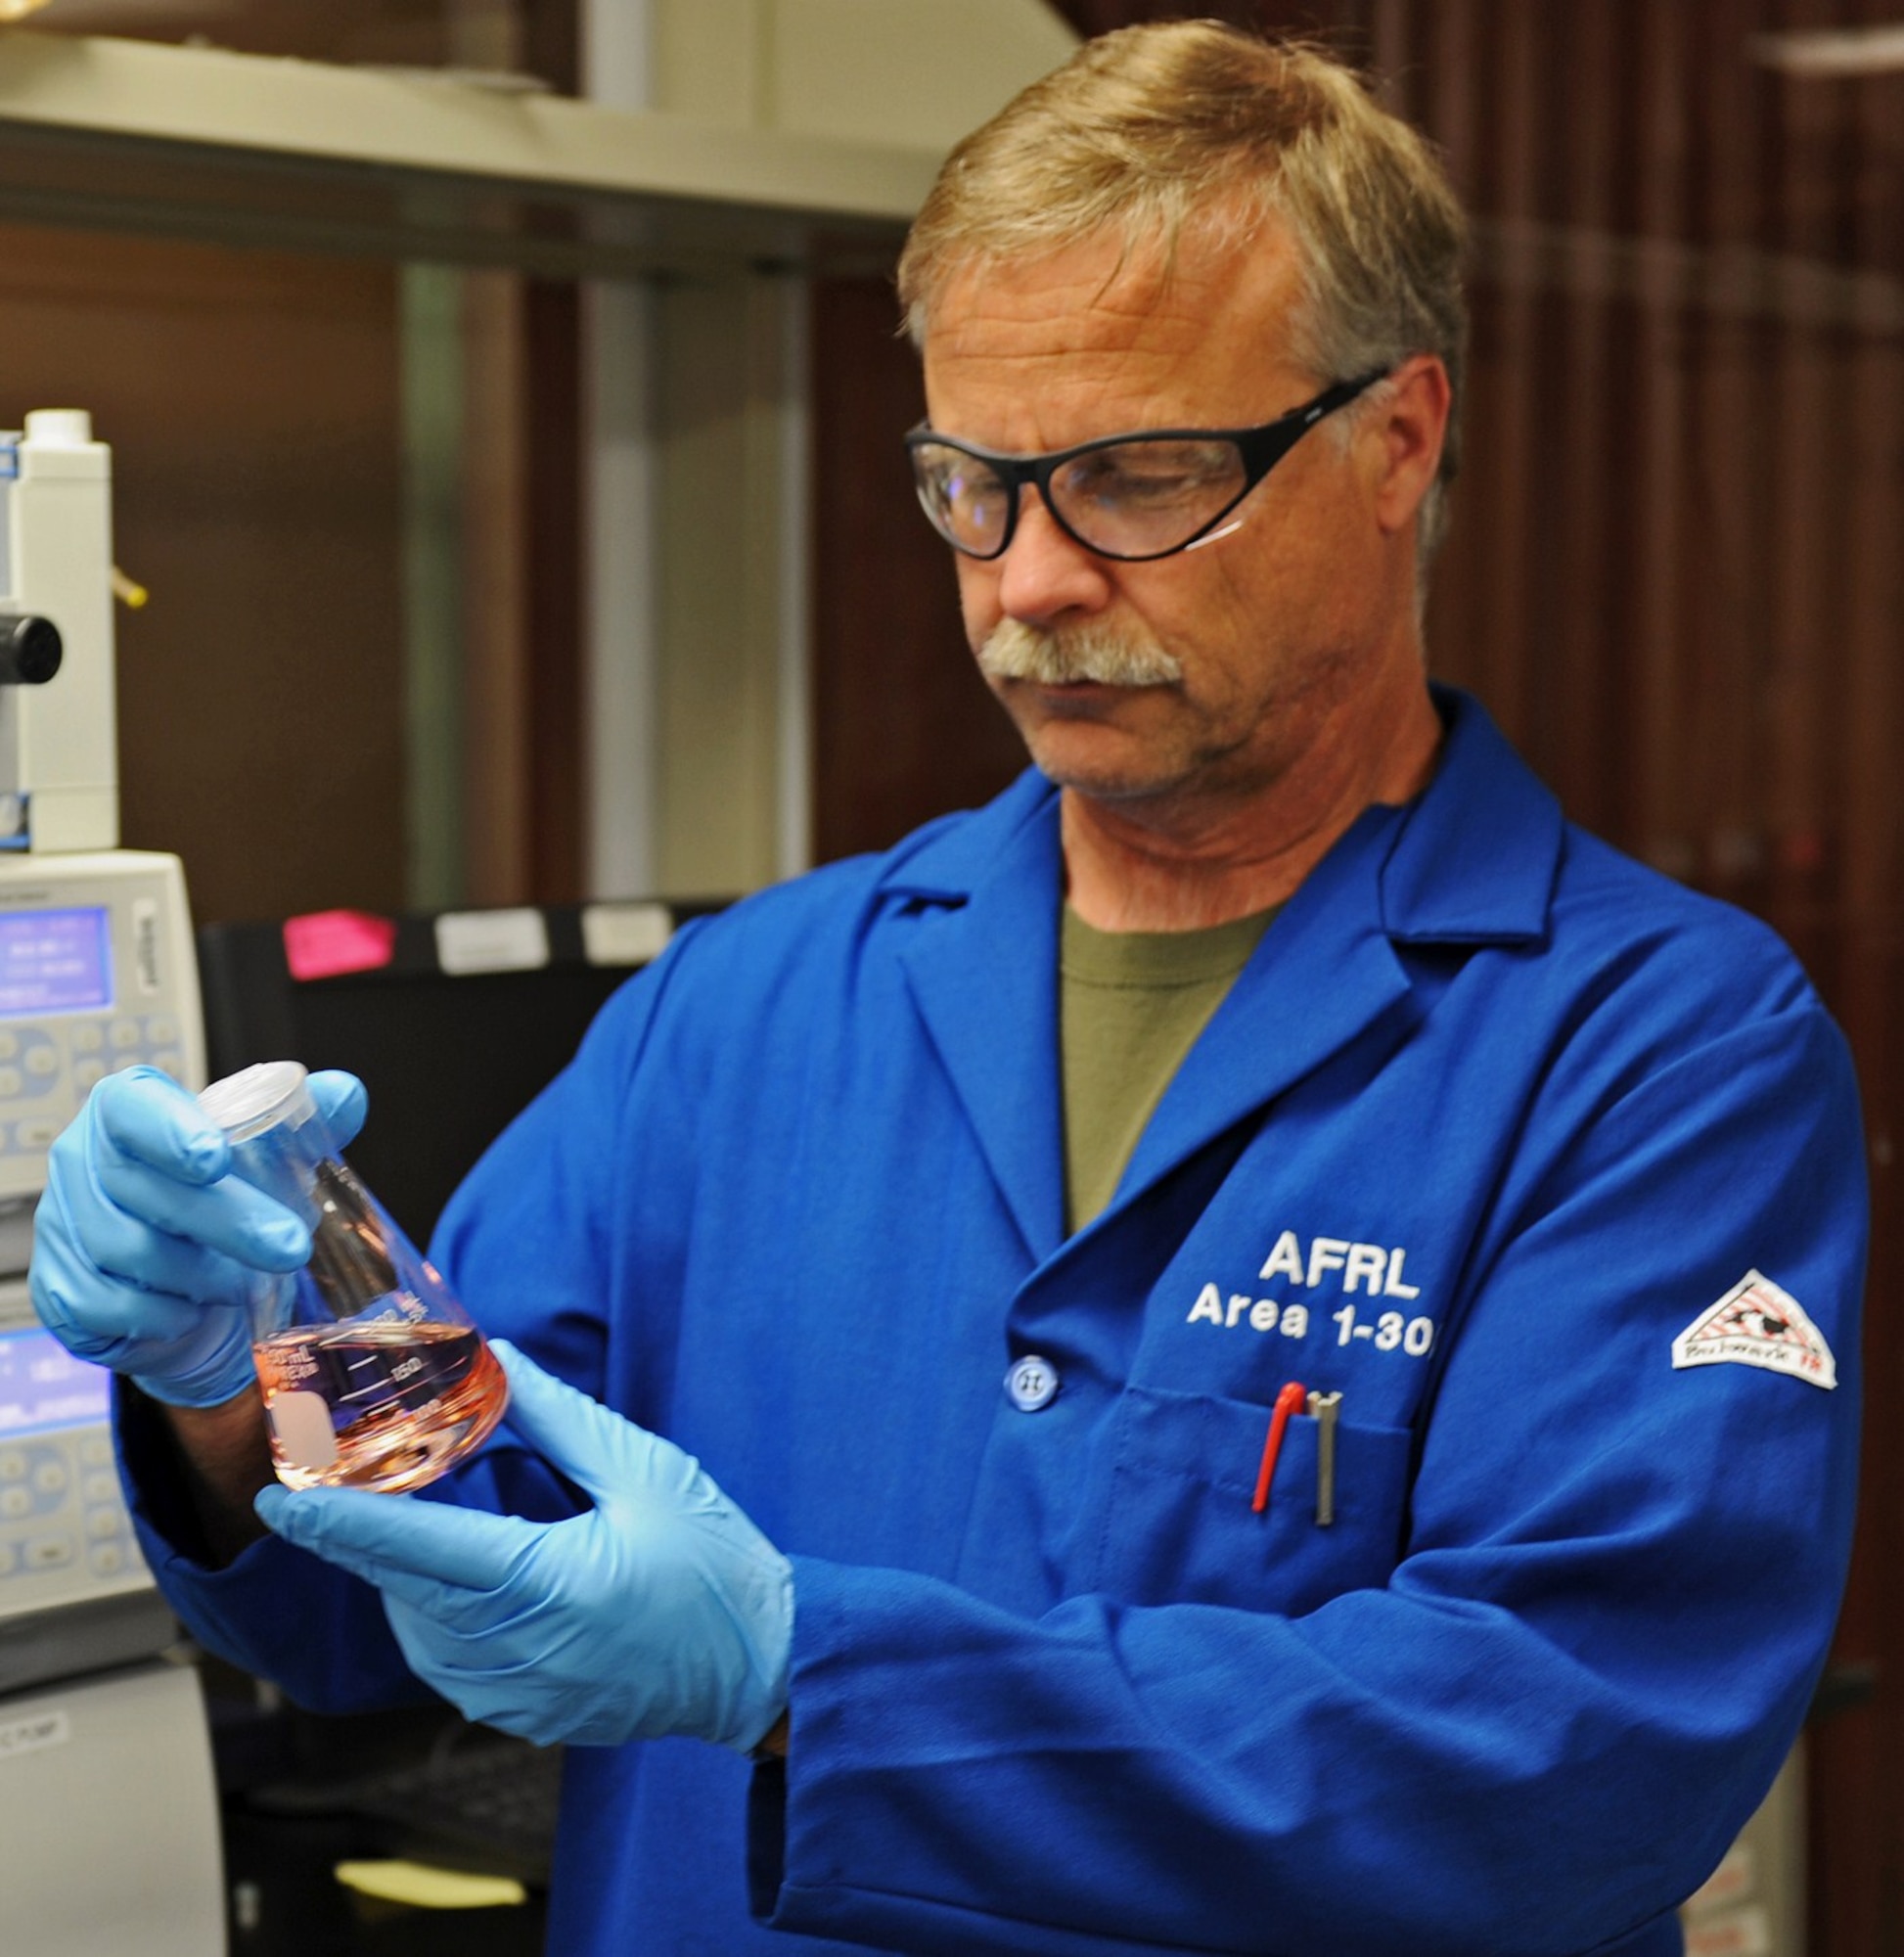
(1759, 1323)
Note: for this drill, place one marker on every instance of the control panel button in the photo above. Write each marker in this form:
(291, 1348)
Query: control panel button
(161, 1029)
(9, 1045)
(42, 1062)
(15, 1500)
(11, 1083)
(96, 1452)
(125, 1033)
(107, 1558)
(171, 1061)
(40, 1133)
(8, 1558)
(101, 1487)
(50, 1552)
(13, 1464)
(87, 1074)
(50, 1478)
(130, 1061)
(88, 1036)
(101, 1525)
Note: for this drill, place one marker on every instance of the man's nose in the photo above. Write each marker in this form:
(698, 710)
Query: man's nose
(1043, 573)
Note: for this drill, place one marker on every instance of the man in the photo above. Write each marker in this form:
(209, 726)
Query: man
(1420, 1249)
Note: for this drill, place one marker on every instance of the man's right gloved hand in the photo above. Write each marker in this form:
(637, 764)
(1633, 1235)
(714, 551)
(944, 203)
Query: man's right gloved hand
(144, 1248)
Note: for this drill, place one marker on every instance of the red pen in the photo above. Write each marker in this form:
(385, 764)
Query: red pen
(1291, 1399)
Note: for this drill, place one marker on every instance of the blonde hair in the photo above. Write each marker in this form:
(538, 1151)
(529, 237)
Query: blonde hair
(1155, 130)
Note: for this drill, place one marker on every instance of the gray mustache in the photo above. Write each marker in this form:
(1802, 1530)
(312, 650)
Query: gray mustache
(1105, 654)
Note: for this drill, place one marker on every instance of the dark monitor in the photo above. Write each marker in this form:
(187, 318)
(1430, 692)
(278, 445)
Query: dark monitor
(450, 1037)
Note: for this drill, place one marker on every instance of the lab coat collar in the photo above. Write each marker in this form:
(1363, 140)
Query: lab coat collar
(1473, 860)
(1474, 856)
(983, 973)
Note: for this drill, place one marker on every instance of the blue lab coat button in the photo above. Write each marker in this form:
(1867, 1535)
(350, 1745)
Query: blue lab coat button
(1032, 1383)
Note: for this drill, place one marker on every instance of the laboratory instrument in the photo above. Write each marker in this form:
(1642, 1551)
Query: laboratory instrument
(108, 1806)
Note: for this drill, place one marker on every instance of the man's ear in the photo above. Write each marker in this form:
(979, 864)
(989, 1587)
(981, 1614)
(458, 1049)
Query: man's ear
(1408, 427)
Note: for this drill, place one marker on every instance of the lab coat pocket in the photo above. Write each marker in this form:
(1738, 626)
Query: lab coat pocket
(1178, 1526)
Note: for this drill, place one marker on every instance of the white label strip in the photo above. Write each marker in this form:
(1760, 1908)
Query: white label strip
(625, 934)
(492, 941)
(32, 1732)
(305, 1436)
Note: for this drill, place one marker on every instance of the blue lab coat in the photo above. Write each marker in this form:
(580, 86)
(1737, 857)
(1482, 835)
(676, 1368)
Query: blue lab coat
(1493, 1117)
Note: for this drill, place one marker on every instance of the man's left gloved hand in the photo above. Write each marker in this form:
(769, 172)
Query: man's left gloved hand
(661, 1610)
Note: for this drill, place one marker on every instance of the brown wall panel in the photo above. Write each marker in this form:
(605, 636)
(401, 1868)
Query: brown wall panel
(904, 728)
(251, 400)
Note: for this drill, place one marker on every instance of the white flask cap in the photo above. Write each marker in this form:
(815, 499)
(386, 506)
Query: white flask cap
(273, 1094)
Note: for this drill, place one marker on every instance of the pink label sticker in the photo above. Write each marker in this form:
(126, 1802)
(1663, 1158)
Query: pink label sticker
(326, 945)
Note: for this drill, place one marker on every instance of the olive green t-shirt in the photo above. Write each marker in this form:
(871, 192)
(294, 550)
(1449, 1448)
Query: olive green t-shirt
(1130, 1006)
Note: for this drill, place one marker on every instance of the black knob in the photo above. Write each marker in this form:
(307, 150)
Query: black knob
(30, 650)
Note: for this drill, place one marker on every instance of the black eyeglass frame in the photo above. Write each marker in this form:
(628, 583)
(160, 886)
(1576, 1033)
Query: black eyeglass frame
(1260, 448)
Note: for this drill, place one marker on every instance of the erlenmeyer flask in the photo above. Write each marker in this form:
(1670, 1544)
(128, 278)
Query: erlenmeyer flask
(374, 1375)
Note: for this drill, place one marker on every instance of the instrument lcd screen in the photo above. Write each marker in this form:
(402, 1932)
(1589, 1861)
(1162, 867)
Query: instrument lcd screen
(55, 962)
(43, 1387)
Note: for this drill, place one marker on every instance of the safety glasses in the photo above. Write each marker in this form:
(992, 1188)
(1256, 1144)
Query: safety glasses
(1127, 496)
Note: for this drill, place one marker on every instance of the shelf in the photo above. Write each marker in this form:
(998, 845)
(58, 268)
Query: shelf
(249, 150)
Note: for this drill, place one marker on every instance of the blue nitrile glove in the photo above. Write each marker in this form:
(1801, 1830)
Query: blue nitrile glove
(664, 1610)
(144, 1248)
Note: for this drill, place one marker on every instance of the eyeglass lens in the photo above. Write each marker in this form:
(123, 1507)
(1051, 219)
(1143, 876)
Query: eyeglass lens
(1139, 498)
